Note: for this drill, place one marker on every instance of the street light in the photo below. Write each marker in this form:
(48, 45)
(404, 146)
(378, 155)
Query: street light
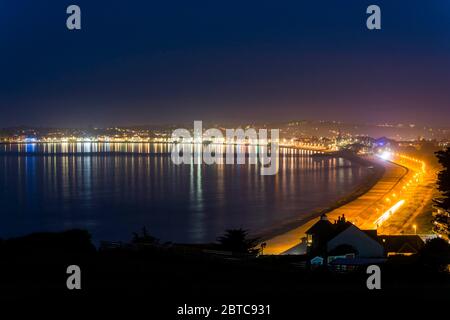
(415, 228)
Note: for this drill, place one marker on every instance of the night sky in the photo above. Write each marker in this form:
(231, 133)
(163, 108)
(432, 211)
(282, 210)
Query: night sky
(167, 61)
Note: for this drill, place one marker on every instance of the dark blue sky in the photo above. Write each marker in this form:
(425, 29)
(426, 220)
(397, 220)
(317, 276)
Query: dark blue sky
(141, 62)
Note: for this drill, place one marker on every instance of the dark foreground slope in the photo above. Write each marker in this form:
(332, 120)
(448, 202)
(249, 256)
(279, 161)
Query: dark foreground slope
(163, 278)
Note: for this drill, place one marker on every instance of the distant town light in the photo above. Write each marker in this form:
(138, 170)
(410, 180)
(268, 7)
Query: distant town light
(386, 155)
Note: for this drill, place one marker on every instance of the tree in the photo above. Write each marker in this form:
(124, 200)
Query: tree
(444, 180)
(443, 202)
(144, 237)
(236, 240)
(436, 254)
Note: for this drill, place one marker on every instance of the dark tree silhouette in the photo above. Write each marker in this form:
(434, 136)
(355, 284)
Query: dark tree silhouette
(444, 179)
(144, 237)
(436, 254)
(236, 240)
(442, 219)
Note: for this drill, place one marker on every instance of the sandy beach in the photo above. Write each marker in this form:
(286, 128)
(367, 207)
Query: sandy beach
(356, 206)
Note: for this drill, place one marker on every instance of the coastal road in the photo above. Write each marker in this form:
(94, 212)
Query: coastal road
(415, 216)
(363, 211)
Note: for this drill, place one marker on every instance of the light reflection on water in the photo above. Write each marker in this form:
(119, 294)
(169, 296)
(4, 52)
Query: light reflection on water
(115, 189)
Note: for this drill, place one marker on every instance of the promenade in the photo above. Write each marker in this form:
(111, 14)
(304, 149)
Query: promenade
(363, 211)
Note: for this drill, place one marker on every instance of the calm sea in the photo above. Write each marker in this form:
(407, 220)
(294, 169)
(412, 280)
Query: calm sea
(113, 190)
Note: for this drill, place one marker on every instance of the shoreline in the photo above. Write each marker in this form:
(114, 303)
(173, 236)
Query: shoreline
(367, 184)
(287, 236)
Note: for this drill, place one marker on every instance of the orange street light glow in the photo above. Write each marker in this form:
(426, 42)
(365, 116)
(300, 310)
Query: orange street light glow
(388, 213)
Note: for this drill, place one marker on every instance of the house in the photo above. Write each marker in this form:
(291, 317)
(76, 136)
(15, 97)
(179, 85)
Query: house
(405, 245)
(318, 235)
(341, 239)
(344, 246)
(358, 242)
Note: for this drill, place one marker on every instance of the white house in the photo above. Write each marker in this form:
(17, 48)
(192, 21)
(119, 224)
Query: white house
(362, 243)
